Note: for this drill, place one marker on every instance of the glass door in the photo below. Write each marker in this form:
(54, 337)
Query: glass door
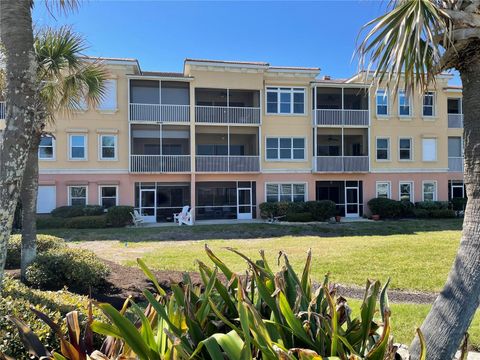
(244, 204)
(148, 210)
(351, 202)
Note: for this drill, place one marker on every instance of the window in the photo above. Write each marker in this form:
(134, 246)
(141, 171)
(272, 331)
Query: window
(429, 191)
(78, 147)
(285, 192)
(285, 100)
(285, 149)
(406, 191)
(405, 148)
(382, 102)
(109, 101)
(403, 104)
(77, 195)
(429, 149)
(429, 104)
(46, 149)
(455, 148)
(108, 196)
(383, 189)
(108, 147)
(383, 149)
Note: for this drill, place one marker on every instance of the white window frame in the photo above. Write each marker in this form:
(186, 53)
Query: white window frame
(434, 106)
(385, 92)
(70, 194)
(305, 195)
(411, 148)
(101, 106)
(100, 147)
(409, 98)
(389, 189)
(436, 149)
(412, 191)
(434, 182)
(388, 148)
(291, 90)
(291, 148)
(100, 197)
(54, 150)
(85, 144)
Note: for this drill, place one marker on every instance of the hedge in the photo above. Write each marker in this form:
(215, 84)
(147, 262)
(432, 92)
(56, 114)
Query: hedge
(77, 210)
(87, 222)
(386, 208)
(317, 210)
(44, 243)
(119, 216)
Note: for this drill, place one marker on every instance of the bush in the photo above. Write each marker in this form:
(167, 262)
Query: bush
(407, 208)
(458, 203)
(386, 208)
(296, 207)
(321, 210)
(77, 210)
(17, 299)
(44, 243)
(78, 269)
(268, 209)
(119, 216)
(93, 210)
(432, 205)
(50, 222)
(87, 222)
(421, 213)
(442, 214)
(299, 217)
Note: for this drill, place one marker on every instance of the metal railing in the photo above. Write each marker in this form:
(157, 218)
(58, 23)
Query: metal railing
(341, 164)
(455, 121)
(3, 110)
(159, 163)
(342, 117)
(455, 164)
(227, 115)
(214, 163)
(160, 112)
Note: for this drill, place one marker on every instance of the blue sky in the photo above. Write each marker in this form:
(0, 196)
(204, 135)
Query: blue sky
(160, 34)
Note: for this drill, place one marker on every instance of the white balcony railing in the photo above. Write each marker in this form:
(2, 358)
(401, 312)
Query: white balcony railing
(213, 163)
(227, 115)
(455, 121)
(455, 164)
(339, 117)
(341, 164)
(2, 110)
(159, 163)
(160, 113)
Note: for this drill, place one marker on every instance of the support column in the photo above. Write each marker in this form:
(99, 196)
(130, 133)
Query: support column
(193, 198)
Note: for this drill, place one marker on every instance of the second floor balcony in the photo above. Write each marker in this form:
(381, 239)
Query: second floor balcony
(455, 115)
(341, 106)
(455, 154)
(227, 106)
(455, 164)
(455, 121)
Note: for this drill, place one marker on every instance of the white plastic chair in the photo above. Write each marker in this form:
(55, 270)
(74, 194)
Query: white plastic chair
(184, 217)
(137, 218)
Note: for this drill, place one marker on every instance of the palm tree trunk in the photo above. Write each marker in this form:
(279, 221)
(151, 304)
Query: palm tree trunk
(454, 308)
(28, 197)
(21, 70)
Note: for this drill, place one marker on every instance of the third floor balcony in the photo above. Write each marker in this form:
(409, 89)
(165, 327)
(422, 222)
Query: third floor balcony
(227, 106)
(341, 106)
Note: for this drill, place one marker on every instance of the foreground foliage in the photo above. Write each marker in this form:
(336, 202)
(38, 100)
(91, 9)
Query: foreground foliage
(44, 243)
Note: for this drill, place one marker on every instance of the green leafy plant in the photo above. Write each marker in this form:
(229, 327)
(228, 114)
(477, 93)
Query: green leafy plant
(386, 208)
(119, 216)
(77, 210)
(87, 222)
(44, 243)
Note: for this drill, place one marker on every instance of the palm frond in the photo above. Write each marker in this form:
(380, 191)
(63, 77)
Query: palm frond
(406, 44)
(61, 6)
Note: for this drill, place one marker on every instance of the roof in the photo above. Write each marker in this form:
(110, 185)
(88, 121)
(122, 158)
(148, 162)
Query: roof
(163, 74)
(255, 63)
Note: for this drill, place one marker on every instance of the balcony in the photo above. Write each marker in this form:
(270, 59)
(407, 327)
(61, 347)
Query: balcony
(339, 117)
(455, 121)
(3, 113)
(227, 164)
(160, 113)
(227, 106)
(455, 164)
(341, 164)
(159, 163)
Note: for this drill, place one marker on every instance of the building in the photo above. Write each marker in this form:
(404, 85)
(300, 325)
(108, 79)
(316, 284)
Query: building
(225, 136)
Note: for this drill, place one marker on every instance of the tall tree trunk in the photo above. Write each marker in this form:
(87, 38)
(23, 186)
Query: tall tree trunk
(454, 308)
(16, 34)
(28, 197)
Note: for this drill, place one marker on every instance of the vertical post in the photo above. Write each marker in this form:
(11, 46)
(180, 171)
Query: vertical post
(228, 147)
(193, 192)
(343, 152)
(228, 106)
(129, 129)
(160, 128)
(314, 128)
(343, 107)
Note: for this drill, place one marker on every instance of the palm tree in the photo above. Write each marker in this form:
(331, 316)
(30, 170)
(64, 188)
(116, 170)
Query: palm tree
(67, 81)
(16, 34)
(414, 41)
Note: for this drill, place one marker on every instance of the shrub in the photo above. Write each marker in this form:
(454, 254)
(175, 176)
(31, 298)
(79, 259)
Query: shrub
(93, 210)
(442, 214)
(299, 217)
(458, 203)
(296, 207)
(67, 211)
(431, 205)
(268, 209)
(87, 222)
(386, 208)
(119, 216)
(50, 222)
(321, 210)
(44, 243)
(421, 213)
(78, 269)
(407, 208)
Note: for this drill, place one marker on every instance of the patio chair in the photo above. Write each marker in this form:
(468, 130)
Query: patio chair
(184, 217)
(137, 219)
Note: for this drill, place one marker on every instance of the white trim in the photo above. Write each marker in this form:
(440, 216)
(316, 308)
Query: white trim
(54, 149)
(117, 200)
(289, 171)
(69, 197)
(435, 193)
(291, 91)
(412, 190)
(388, 148)
(291, 159)
(389, 183)
(305, 197)
(82, 171)
(411, 148)
(100, 147)
(409, 170)
(85, 144)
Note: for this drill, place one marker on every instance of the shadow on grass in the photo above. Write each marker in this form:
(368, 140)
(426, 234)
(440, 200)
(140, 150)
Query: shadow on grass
(259, 230)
